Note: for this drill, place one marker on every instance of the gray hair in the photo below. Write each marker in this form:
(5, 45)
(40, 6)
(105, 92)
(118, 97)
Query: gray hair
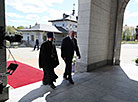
(71, 31)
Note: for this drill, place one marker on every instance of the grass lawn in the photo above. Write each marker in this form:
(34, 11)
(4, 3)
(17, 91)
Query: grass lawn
(129, 42)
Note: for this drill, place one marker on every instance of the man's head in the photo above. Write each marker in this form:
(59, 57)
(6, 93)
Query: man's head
(71, 34)
(50, 36)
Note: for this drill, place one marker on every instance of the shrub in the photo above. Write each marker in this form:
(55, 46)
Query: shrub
(136, 60)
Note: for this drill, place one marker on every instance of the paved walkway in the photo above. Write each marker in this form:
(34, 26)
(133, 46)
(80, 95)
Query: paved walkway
(107, 84)
(30, 57)
(129, 52)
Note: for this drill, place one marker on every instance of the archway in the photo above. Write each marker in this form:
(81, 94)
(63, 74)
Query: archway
(99, 33)
(129, 46)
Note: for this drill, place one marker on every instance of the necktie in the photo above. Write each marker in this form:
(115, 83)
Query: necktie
(73, 43)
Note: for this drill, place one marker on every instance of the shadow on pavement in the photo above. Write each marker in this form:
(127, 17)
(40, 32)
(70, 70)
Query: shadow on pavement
(36, 94)
(44, 93)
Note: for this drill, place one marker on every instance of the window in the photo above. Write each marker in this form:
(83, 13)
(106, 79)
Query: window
(32, 37)
(44, 37)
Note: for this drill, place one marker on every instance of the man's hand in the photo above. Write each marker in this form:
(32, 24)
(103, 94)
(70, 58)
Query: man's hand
(79, 57)
(64, 58)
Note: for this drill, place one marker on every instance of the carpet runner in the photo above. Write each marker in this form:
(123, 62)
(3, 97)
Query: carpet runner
(24, 75)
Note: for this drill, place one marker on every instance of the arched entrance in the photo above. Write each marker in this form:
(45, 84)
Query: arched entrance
(99, 34)
(129, 49)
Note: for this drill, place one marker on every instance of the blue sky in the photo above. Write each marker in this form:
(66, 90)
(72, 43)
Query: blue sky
(131, 13)
(28, 12)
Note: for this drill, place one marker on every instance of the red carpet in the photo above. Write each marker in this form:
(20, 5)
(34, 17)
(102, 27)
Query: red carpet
(24, 75)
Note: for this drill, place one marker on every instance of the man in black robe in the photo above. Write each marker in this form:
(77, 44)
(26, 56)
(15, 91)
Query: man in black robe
(68, 46)
(48, 60)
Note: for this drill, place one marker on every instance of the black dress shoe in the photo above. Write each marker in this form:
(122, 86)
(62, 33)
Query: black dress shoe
(71, 81)
(52, 86)
(65, 77)
(44, 83)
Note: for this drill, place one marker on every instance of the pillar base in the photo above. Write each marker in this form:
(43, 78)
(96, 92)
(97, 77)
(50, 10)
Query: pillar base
(96, 65)
(117, 62)
(5, 94)
(80, 67)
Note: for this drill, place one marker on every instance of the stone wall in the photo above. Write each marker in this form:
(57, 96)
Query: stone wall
(93, 33)
(99, 32)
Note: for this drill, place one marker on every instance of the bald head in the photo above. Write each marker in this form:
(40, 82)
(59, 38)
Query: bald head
(71, 34)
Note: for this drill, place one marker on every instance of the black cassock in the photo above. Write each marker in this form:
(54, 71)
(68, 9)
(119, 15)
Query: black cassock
(48, 60)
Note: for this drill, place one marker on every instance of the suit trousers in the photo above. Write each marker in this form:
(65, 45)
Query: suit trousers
(68, 68)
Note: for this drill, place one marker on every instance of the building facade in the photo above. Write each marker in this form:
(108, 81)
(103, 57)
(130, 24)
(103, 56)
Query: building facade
(60, 27)
(39, 31)
(68, 22)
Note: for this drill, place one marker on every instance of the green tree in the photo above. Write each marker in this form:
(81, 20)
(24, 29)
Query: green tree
(133, 33)
(123, 35)
(10, 29)
(128, 33)
(20, 27)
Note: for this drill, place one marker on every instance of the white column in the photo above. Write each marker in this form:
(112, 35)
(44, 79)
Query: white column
(93, 33)
(83, 33)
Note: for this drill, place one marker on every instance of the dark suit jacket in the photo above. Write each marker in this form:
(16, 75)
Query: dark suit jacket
(46, 59)
(37, 42)
(68, 48)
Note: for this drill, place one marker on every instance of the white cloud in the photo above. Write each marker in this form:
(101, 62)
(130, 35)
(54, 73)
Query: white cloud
(31, 6)
(39, 11)
(38, 19)
(51, 2)
(131, 24)
(27, 6)
(127, 14)
(18, 21)
(134, 14)
(44, 20)
(130, 15)
(32, 17)
(136, 0)
(15, 15)
(130, 18)
(57, 14)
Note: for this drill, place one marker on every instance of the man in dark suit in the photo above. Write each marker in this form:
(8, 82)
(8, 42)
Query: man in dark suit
(68, 46)
(48, 60)
(36, 44)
